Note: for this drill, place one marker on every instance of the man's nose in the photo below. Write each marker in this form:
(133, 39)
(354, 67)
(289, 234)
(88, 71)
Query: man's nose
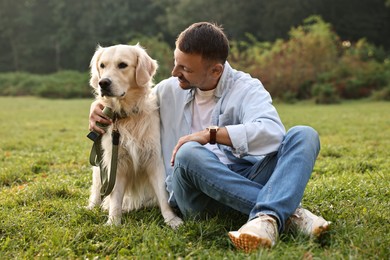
(175, 72)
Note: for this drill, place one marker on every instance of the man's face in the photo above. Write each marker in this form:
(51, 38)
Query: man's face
(193, 72)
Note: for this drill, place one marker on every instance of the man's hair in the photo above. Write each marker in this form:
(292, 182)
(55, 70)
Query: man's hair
(206, 39)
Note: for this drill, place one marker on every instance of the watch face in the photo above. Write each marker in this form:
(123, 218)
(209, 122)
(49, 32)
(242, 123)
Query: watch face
(213, 127)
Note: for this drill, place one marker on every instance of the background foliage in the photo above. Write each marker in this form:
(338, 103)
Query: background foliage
(325, 50)
(46, 36)
(315, 63)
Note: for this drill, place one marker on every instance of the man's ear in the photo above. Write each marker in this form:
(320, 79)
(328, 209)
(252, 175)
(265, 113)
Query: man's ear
(217, 70)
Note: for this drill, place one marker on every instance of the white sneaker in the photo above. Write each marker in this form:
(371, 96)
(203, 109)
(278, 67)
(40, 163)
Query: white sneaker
(305, 222)
(259, 232)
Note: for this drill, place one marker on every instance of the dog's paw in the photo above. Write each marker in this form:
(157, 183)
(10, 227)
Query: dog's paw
(94, 201)
(174, 222)
(91, 206)
(113, 221)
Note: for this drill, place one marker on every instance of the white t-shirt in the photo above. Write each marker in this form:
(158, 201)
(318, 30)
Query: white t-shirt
(203, 107)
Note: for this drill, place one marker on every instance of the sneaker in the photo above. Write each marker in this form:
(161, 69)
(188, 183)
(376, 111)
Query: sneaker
(259, 232)
(305, 222)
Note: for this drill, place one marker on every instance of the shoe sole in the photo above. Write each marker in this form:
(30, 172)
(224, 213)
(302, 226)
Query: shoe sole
(248, 242)
(317, 232)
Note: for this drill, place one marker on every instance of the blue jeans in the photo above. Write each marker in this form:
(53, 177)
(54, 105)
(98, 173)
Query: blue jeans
(273, 186)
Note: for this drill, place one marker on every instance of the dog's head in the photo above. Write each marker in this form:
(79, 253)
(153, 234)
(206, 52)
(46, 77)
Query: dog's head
(117, 69)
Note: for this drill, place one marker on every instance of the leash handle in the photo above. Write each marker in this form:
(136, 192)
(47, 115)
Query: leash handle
(93, 136)
(107, 178)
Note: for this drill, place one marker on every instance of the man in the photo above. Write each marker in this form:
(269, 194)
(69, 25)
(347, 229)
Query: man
(224, 145)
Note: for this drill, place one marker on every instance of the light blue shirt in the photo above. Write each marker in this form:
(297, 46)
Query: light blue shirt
(243, 106)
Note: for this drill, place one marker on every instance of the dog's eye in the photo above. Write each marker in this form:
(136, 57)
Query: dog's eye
(122, 65)
(102, 65)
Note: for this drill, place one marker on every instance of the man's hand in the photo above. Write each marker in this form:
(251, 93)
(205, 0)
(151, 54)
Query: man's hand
(96, 115)
(202, 137)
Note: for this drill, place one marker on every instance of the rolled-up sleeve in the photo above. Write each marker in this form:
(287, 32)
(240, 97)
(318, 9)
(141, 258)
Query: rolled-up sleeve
(252, 122)
(255, 139)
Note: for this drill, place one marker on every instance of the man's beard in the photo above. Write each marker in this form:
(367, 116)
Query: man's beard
(186, 83)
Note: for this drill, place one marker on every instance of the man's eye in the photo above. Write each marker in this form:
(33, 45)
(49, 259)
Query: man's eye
(122, 65)
(102, 65)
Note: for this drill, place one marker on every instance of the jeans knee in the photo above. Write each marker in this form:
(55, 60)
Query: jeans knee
(186, 153)
(303, 131)
(193, 161)
(305, 134)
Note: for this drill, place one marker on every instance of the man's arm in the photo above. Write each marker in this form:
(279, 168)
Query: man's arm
(202, 137)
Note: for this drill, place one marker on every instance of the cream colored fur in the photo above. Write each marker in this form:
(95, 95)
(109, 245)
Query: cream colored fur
(140, 179)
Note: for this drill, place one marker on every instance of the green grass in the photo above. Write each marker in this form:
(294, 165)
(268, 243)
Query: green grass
(45, 179)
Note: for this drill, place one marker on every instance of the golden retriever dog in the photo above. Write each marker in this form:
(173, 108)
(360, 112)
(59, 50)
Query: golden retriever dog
(121, 77)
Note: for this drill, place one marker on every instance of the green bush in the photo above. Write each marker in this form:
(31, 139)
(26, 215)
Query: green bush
(364, 71)
(383, 94)
(365, 51)
(18, 84)
(311, 62)
(354, 79)
(289, 65)
(63, 84)
(325, 94)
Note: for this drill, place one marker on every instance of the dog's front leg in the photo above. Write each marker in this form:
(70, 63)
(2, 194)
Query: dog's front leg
(157, 179)
(116, 200)
(95, 198)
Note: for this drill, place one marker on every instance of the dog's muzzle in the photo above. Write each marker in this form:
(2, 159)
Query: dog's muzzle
(105, 87)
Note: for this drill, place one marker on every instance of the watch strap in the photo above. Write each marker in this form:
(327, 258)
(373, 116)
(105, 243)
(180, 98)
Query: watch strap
(213, 134)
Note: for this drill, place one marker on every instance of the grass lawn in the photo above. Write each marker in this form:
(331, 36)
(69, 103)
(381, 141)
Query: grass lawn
(45, 179)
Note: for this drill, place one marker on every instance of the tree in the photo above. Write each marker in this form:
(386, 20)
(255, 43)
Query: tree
(45, 36)
(14, 23)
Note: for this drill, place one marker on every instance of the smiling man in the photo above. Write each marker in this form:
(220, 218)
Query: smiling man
(225, 147)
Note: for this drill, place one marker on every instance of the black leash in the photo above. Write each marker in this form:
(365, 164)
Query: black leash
(95, 159)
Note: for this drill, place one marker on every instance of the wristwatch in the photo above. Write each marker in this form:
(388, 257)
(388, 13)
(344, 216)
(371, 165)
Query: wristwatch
(213, 133)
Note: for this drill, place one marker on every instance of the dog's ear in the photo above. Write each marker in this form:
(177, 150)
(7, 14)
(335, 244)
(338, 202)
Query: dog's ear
(146, 67)
(94, 80)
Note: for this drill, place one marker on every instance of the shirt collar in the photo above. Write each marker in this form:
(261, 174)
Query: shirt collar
(222, 83)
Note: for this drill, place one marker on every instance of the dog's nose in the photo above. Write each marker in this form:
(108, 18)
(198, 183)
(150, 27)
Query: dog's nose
(105, 83)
